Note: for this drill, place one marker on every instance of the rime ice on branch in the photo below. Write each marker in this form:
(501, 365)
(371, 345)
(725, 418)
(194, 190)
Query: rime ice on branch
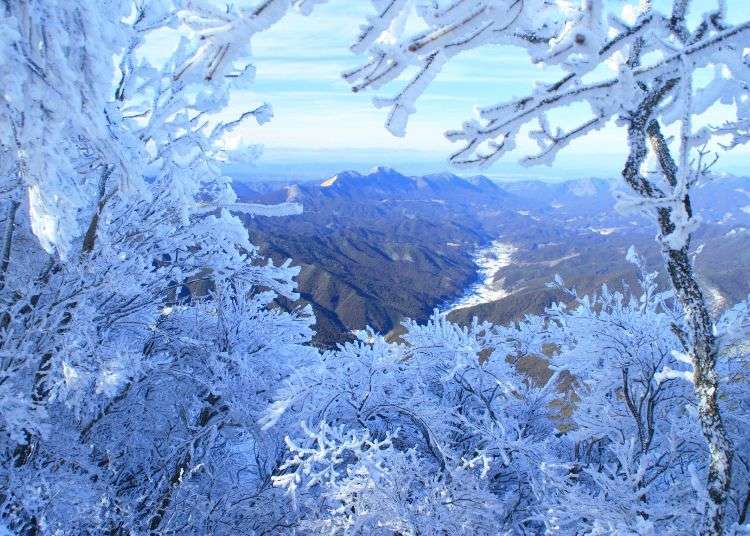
(135, 314)
(637, 68)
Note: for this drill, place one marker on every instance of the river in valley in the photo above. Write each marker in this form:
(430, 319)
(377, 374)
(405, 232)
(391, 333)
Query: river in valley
(488, 288)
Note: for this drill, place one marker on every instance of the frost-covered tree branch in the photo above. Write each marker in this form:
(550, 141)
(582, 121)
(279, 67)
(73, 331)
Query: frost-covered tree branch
(654, 55)
(133, 307)
(151, 383)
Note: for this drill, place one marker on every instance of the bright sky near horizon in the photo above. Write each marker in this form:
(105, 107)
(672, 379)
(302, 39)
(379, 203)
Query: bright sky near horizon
(320, 124)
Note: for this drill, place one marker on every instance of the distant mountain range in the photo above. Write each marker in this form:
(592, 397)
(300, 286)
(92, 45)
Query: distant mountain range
(378, 247)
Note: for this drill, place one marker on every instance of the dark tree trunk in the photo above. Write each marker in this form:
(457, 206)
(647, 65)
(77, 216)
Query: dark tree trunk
(700, 340)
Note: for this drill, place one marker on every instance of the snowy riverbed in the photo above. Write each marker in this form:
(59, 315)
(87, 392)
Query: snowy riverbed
(489, 261)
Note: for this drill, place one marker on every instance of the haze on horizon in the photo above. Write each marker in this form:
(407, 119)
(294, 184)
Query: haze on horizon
(320, 127)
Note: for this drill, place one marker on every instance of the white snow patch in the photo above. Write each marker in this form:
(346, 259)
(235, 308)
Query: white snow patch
(43, 221)
(715, 298)
(583, 188)
(555, 262)
(70, 374)
(293, 193)
(727, 217)
(396, 256)
(604, 231)
(490, 261)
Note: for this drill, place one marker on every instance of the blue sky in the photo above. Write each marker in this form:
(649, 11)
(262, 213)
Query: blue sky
(320, 126)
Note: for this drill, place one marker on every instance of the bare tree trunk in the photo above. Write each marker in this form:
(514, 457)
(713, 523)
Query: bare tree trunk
(10, 224)
(700, 342)
(703, 354)
(210, 410)
(89, 239)
(703, 351)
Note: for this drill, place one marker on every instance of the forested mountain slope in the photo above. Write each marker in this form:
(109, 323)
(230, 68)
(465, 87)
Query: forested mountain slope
(379, 247)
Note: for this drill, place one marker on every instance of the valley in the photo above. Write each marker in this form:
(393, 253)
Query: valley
(380, 247)
(489, 287)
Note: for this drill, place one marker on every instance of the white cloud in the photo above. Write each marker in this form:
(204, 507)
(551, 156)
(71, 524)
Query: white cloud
(299, 62)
